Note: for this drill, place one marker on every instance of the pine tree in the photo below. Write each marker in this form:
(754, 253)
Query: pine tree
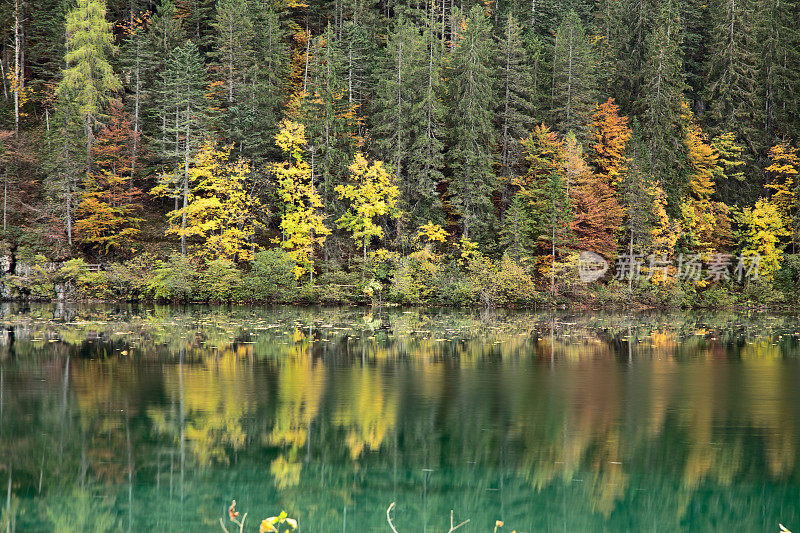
(46, 45)
(695, 40)
(133, 61)
(89, 79)
(732, 66)
(233, 50)
(631, 25)
(330, 120)
(516, 94)
(779, 65)
(408, 117)
(197, 17)
(573, 76)
(266, 92)
(661, 106)
(426, 158)
(472, 133)
(182, 88)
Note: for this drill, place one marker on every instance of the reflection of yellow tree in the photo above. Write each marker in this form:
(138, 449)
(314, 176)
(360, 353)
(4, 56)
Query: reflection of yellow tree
(367, 407)
(769, 400)
(215, 399)
(301, 384)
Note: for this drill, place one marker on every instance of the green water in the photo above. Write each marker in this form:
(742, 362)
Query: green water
(154, 419)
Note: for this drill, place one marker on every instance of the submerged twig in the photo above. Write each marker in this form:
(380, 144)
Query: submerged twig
(389, 518)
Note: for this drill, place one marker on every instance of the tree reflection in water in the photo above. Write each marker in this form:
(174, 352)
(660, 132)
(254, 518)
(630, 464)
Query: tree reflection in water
(153, 418)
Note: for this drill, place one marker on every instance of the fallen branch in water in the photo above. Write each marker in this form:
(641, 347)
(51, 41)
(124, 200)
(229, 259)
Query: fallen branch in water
(452, 527)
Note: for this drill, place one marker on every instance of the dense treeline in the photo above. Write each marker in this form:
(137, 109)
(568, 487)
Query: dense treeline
(434, 150)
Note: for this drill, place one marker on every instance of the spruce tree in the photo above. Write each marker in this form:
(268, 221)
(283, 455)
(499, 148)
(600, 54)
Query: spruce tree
(515, 92)
(472, 134)
(89, 79)
(779, 66)
(573, 76)
(731, 91)
(183, 86)
(661, 106)
(408, 115)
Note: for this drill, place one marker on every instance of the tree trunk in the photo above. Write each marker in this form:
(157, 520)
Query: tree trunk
(185, 183)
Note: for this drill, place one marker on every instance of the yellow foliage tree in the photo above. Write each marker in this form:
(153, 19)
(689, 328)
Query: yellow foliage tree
(220, 212)
(706, 223)
(372, 194)
(303, 224)
(432, 232)
(782, 177)
(764, 226)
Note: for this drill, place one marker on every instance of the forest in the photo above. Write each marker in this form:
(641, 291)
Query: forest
(406, 151)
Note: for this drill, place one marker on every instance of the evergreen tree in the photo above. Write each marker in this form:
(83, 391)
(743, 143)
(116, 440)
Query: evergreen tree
(408, 117)
(89, 80)
(779, 65)
(329, 118)
(197, 18)
(182, 88)
(472, 134)
(573, 76)
(732, 73)
(633, 21)
(695, 40)
(266, 91)
(661, 106)
(516, 94)
(46, 46)
(233, 40)
(426, 159)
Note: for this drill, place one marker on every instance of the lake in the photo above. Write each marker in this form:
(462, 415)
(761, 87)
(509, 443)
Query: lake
(155, 418)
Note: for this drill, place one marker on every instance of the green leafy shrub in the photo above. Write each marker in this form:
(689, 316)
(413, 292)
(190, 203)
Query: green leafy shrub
(762, 292)
(413, 281)
(271, 277)
(76, 282)
(128, 280)
(174, 279)
(502, 282)
(220, 281)
(340, 287)
(715, 297)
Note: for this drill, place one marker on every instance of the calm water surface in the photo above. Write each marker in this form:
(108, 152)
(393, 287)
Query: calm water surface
(154, 419)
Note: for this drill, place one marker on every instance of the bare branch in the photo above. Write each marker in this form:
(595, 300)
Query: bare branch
(389, 518)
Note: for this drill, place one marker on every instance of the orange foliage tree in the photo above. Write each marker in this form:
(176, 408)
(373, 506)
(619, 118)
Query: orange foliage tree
(597, 213)
(109, 201)
(609, 137)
